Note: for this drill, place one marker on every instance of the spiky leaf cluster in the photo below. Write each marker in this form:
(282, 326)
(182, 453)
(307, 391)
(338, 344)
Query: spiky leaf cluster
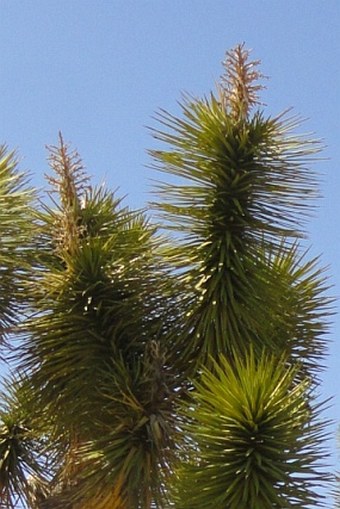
(242, 189)
(16, 231)
(25, 467)
(95, 348)
(254, 437)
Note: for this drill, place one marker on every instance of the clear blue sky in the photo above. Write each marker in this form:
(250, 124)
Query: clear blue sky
(98, 70)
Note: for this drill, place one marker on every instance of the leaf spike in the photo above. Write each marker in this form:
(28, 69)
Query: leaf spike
(71, 179)
(71, 183)
(239, 85)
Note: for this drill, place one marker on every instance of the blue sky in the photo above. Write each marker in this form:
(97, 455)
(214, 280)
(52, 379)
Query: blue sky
(98, 70)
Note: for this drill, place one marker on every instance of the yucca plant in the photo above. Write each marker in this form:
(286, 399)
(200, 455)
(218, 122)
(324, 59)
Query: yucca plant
(171, 362)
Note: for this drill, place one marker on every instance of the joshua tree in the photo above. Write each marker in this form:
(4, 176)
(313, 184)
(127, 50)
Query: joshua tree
(172, 362)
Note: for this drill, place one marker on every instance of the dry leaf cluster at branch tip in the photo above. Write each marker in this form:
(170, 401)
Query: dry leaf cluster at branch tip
(239, 86)
(71, 183)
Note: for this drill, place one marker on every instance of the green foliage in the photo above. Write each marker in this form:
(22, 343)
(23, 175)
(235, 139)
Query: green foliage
(254, 438)
(24, 467)
(95, 347)
(177, 369)
(242, 193)
(16, 231)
